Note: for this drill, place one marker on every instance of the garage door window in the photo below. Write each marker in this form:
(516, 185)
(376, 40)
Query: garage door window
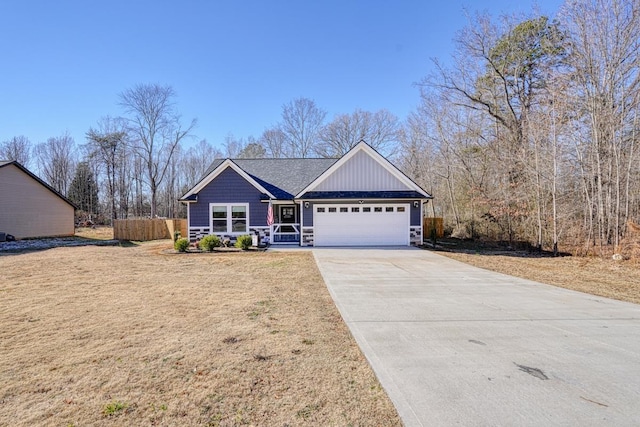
(377, 209)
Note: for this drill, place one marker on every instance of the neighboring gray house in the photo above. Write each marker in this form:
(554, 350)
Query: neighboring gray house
(31, 208)
(360, 199)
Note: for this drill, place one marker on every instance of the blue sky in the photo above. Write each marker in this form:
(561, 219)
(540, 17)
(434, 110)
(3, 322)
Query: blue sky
(233, 64)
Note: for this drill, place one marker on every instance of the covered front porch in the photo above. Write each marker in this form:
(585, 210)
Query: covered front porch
(286, 225)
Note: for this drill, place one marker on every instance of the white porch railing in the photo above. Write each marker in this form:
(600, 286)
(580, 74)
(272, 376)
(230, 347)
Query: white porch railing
(285, 233)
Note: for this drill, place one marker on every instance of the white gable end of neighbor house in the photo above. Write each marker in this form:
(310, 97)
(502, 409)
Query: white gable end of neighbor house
(361, 173)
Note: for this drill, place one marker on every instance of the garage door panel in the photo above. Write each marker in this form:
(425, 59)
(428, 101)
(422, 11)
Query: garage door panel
(355, 227)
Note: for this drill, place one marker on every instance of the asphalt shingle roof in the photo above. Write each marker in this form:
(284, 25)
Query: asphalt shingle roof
(284, 178)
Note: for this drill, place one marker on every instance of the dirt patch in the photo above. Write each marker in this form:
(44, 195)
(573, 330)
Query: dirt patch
(129, 336)
(593, 275)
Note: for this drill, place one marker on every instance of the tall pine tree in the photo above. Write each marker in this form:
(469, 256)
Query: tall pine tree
(84, 189)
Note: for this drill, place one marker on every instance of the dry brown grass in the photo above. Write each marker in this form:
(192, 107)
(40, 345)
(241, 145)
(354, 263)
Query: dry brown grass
(597, 276)
(97, 233)
(132, 336)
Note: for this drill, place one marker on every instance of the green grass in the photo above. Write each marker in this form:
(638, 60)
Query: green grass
(114, 408)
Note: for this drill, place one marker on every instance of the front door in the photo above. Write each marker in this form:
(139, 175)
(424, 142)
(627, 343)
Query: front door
(287, 216)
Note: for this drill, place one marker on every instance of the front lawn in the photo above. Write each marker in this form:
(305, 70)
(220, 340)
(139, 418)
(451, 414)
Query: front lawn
(135, 336)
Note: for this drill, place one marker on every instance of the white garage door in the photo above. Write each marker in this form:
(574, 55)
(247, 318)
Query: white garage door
(361, 225)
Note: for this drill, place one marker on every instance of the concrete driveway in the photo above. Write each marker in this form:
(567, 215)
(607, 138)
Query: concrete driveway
(457, 345)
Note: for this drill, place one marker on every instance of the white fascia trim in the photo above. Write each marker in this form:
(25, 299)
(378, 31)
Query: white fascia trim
(364, 200)
(228, 163)
(363, 146)
(280, 201)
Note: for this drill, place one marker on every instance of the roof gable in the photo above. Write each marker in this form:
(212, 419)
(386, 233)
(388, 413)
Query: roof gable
(217, 170)
(278, 178)
(6, 163)
(361, 173)
(363, 169)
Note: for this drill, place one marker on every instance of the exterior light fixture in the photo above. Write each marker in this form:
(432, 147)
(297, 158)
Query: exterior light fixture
(306, 205)
(416, 204)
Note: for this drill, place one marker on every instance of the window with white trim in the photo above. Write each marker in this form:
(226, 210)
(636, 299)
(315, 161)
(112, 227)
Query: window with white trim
(229, 217)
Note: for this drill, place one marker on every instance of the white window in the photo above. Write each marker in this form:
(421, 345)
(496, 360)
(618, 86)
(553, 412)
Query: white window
(229, 217)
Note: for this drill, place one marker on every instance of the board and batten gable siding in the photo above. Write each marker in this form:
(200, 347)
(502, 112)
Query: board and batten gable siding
(361, 173)
(29, 209)
(415, 217)
(228, 187)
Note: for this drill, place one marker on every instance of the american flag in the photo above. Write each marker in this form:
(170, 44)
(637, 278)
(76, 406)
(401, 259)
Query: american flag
(270, 213)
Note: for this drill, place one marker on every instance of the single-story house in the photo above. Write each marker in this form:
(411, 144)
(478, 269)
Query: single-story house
(360, 199)
(29, 207)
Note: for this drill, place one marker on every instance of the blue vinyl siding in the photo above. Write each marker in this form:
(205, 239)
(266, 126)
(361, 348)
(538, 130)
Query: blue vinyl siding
(307, 220)
(416, 219)
(228, 187)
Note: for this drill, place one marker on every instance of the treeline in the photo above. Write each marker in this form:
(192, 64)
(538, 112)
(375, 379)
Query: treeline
(527, 134)
(129, 166)
(530, 134)
(136, 165)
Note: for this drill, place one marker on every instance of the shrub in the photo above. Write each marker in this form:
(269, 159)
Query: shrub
(209, 242)
(243, 242)
(181, 245)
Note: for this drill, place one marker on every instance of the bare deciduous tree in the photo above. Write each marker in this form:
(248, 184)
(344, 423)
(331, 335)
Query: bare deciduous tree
(301, 124)
(108, 147)
(56, 161)
(155, 129)
(275, 143)
(379, 129)
(605, 62)
(195, 162)
(233, 146)
(17, 148)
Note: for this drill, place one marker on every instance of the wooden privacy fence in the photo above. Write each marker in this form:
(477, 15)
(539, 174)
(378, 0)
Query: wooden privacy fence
(429, 224)
(148, 229)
